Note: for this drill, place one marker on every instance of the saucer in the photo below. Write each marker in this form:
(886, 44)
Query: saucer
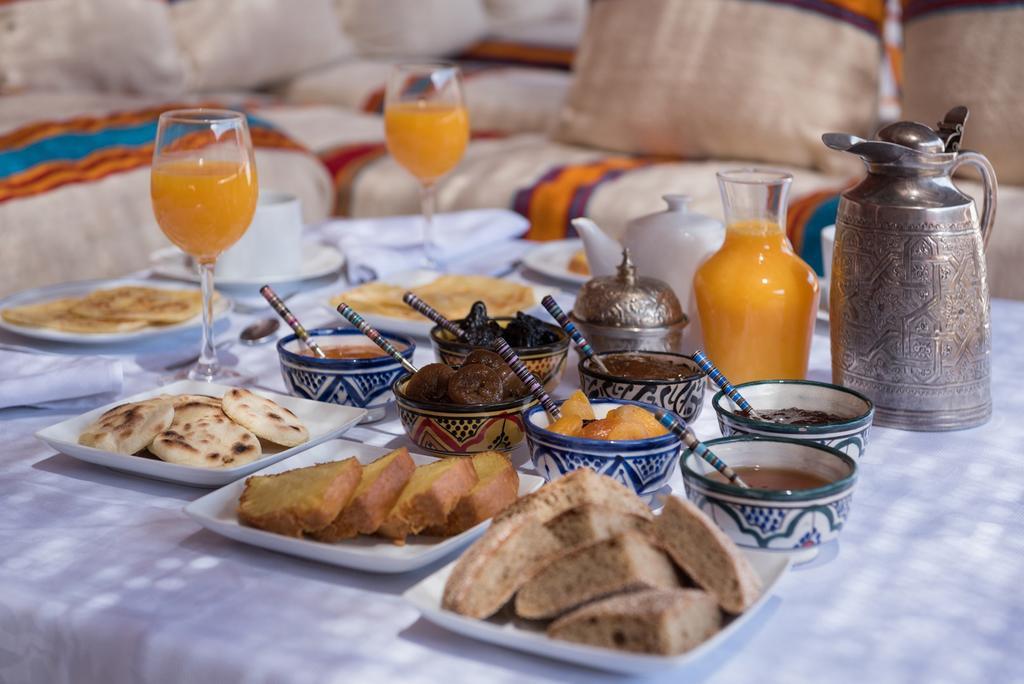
(318, 260)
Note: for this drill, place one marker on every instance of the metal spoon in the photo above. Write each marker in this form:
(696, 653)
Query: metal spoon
(253, 334)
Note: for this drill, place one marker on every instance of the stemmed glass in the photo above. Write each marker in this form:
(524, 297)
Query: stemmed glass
(427, 130)
(204, 190)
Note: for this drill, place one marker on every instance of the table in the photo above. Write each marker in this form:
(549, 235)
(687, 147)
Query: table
(104, 579)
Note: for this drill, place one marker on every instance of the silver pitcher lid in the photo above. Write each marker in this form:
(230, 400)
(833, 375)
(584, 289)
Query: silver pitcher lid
(907, 142)
(626, 300)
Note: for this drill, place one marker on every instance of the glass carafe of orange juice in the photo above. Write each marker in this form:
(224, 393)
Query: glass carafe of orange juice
(757, 299)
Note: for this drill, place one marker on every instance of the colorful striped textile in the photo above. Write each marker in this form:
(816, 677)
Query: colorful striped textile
(512, 53)
(561, 194)
(806, 218)
(345, 162)
(914, 9)
(865, 14)
(374, 102)
(49, 154)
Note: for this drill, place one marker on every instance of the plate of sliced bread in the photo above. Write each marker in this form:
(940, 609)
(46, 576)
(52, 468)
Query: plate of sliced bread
(365, 507)
(199, 433)
(582, 571)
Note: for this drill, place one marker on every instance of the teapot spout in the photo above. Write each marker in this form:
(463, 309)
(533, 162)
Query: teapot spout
(603, 252)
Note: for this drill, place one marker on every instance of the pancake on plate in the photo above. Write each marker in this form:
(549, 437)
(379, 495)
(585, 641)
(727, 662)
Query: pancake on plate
(452, 295)
(132, 303)
(57, 315)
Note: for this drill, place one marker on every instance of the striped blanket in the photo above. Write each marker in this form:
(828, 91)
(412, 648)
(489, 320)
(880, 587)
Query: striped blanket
(45, 155)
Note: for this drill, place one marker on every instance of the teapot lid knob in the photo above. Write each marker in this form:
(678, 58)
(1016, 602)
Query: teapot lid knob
(677, 202)
(913, 135)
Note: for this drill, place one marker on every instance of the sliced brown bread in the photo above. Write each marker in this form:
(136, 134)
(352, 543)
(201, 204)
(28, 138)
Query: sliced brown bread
(378, 490)
(659, 621)
(589, 523)
(707, 555)
(518, 544)
(299, 500)
(626, 562)
(429, 496)
(496, 488)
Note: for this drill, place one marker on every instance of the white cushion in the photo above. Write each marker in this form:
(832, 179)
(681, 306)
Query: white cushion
(412, 28)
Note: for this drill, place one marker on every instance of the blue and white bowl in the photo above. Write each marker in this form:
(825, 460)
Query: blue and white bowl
(796, 522)
(643, 465)
(849, 436)
(363, 383)
(684, 396)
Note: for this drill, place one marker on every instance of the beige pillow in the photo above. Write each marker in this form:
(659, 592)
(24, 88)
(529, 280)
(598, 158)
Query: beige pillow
(515, 11)
(240, 44)
(722, 79)
(412, 28)
(96, 45)
(970, 56)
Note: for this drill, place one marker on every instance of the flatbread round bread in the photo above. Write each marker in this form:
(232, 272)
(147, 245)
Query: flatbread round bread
(193, 407)
(214, 442)
(129, 428)
(56, 314)
(267, 419)
(452, 295)
(147, 304)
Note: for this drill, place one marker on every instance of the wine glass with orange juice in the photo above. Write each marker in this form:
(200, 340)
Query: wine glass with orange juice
(427, 130)
(204, 190)
(757, 299)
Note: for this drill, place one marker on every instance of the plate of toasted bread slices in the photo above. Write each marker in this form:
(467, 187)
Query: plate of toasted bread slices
(365, 507)
(199, 433)
(581, 570)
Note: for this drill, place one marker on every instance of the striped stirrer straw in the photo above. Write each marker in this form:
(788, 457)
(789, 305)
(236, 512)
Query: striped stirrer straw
(433, 314)
(284, 312)
(716, 376)
(529, 379)
(685, 433)
(581, 342)
(355, 319)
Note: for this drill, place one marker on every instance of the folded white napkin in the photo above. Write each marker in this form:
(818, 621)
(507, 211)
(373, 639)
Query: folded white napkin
(375, 247)
(34, 379)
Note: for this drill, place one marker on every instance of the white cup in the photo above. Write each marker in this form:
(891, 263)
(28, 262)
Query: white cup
(828, 241)
(272, 247)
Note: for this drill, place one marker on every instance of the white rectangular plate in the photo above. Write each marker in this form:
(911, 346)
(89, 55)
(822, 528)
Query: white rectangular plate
(518, 635)
(324, 421)
(420, 326)
(221, 306)
(217, 512)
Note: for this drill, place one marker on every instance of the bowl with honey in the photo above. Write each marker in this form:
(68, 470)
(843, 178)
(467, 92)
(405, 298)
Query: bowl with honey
(799, 497)
(355, 373)
(666, 379)
(819, 412)
(615, 437)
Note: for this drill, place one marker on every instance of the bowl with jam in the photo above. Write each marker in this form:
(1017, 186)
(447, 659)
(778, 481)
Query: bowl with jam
(819, 412)
(615, 437)
(457, 410)
(543, 347)
(666, 379)
(799, 497)
(355, 373)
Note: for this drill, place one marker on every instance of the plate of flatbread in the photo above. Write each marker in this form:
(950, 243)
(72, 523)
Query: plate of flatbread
(197, 433)
(104, 311)
(380, 302)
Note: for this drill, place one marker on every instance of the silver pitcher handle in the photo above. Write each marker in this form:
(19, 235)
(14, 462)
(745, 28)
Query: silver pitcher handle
(988, 177)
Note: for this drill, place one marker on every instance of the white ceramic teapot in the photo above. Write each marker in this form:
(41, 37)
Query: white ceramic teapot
(669, 245)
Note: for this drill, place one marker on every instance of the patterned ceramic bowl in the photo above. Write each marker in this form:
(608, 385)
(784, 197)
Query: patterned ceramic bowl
(363, 383)
(849, 436)
(794, 522)
(685, 396)
(643, 465)
(454, 430)
(546, 361)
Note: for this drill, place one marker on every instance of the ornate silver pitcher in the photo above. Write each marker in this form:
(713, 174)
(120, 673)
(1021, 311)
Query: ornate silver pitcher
(909, 304)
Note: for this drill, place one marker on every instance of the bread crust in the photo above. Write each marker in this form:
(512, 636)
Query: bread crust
(410, 515)
(491, 494)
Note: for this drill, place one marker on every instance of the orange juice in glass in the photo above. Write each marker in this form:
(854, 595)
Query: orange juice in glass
(427, 130)
(757, 299)
(203, 187)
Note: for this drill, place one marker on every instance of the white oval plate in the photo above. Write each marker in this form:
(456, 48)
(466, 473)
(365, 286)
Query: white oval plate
(82, 287)
(522, 635)
(552, 260)
(318, 260)
(324, 421)
(217, 511)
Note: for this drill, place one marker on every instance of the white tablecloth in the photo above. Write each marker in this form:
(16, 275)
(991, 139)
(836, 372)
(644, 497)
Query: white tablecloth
(104, 579)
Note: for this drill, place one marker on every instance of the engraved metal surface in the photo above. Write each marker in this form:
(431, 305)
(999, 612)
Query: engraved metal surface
(627, 300)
